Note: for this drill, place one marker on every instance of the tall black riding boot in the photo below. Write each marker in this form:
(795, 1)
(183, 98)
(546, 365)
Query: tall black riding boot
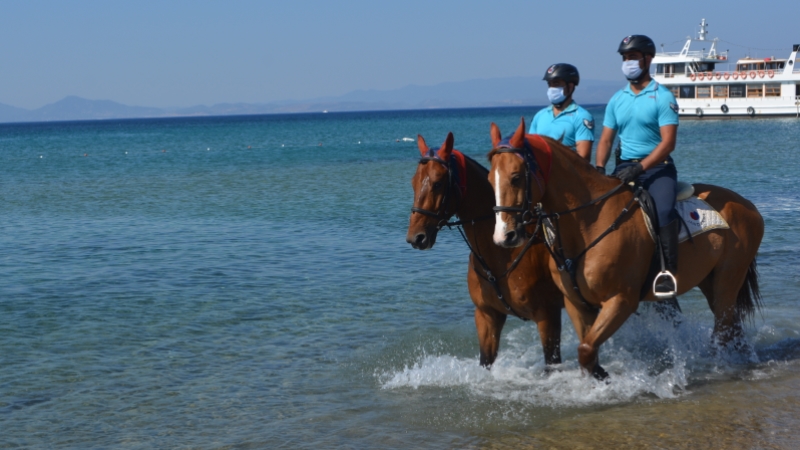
(669, 245)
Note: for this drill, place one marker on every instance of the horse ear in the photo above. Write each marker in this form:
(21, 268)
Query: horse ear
(494, 131)
(518, 140)
(423, 147)
(447, 148)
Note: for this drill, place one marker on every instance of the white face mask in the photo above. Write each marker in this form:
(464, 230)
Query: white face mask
(631, 69)
(556, 95)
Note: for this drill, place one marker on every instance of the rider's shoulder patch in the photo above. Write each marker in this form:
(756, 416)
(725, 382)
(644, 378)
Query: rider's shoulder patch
(674, 107)
(589, 123)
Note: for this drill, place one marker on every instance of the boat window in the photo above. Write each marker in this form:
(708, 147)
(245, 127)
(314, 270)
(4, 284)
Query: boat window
(703, 91)
(720, 91)
(755, 90)
(772, 90)
(706, 67)
(736, 91)
(797, 90)
(679, 68)
(675, 91)
(687, 92)
(659, 68)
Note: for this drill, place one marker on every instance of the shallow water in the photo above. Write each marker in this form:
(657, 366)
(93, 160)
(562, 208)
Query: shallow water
(245, 283)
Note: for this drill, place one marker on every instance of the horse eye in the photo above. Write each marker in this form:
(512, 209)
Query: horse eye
(515, 179)
(437, 185)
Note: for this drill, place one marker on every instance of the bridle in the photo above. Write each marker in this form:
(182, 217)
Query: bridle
(523, 214)
(441, 215)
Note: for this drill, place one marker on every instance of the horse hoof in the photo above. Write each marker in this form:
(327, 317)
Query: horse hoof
(599, 373)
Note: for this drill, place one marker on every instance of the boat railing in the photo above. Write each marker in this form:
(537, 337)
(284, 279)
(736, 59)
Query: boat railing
(692, 53)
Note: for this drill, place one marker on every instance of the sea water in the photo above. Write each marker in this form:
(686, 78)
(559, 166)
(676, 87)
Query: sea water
(244, 282)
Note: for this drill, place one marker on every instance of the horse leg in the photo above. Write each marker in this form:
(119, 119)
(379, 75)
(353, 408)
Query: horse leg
(614, 313)
(548, 322)
(489, 324)
(720, 292)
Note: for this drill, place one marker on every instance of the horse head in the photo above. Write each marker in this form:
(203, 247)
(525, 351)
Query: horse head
(435, 193)
(518, 183)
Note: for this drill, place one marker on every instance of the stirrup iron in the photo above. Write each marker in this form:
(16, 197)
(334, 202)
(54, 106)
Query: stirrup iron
(665, 295)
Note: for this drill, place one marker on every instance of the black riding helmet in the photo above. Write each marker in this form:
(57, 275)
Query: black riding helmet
(638, 42)
(566, 72)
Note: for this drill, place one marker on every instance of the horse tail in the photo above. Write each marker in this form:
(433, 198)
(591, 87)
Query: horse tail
(749, 300)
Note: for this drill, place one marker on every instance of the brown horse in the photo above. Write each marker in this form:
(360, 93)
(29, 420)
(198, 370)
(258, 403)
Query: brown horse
(449, 183)
(609, 273)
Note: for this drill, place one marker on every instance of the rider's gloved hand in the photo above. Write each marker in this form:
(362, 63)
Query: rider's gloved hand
(630, 173)
(600, 169)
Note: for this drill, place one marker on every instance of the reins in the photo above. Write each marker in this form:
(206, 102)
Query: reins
(441, 215)
(562, 262)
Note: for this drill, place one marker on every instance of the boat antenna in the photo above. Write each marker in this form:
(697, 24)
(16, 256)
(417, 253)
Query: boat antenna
(701, 36)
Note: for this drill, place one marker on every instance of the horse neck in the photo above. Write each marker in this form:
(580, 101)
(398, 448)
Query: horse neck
(574, 183)
(479, 199)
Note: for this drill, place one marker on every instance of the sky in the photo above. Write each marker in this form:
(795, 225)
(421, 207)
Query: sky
(184, 53)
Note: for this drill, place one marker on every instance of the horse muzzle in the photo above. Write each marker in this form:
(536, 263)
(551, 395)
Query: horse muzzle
(422, 240)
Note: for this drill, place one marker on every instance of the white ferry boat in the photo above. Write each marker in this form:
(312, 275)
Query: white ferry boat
(754, 87)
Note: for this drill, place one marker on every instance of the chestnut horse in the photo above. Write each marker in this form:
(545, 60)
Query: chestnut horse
(602, 237)
(449, 183)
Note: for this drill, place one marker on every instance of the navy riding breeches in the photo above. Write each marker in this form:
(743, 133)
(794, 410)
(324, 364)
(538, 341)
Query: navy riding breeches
(661, 182)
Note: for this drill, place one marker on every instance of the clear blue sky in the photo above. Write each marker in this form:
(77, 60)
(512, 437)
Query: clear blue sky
(182, 53)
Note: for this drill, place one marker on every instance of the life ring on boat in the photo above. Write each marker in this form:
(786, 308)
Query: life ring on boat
(701, 76)
(753, 74)
(726, 75)
(691, 76)
(770, 73)
(743, 75)
(717, 75)
(735, 75)
(761, 74)
(751, 111)
(724, 108)
(698, 112)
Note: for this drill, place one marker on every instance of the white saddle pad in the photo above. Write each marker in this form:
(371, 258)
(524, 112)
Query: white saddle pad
(698, 216)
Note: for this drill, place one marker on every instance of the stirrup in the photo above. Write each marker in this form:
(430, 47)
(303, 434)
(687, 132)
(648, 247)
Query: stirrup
(665, 295)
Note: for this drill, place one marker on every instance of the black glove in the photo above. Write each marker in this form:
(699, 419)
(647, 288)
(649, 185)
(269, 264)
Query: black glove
(600, 169)
(630, 173)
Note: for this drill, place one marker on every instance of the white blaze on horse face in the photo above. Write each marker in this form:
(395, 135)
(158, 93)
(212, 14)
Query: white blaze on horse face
(424, 188)
(499, 225)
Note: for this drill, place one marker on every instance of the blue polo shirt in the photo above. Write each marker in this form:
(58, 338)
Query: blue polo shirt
(574, 123)
(638, 118)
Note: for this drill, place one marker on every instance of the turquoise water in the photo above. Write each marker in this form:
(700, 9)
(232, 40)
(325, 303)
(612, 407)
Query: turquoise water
(245, 283)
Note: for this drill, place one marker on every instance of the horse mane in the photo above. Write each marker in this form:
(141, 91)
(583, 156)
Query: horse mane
(580, 165)
(480, 166)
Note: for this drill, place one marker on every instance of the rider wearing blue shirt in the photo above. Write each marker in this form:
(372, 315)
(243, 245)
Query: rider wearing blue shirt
(645, 115)
(564, 119)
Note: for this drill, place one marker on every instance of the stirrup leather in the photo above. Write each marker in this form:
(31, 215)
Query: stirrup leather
(665, 295)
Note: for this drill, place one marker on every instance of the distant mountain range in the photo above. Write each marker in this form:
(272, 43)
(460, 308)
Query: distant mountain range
(518, 91)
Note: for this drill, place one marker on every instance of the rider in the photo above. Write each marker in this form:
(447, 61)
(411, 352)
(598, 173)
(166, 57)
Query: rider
(645, 114)
(564, 119)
